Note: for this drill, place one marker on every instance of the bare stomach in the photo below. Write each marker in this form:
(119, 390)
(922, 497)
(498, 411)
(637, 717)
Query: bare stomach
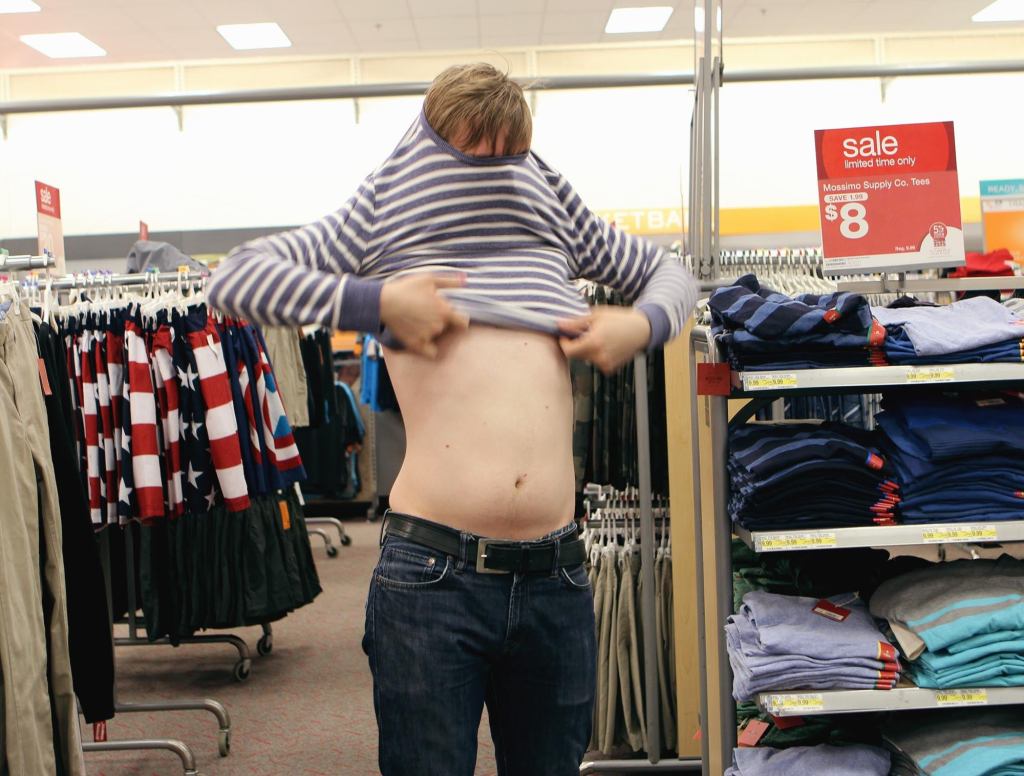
(488, 433)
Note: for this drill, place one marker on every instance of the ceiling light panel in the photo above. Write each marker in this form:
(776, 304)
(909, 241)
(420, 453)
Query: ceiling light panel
(18, 6)
(1001, 11)
(263, 35)
(63, 45)
(625, 20)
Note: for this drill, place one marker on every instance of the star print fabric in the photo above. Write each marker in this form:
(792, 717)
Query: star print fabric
(174, 413)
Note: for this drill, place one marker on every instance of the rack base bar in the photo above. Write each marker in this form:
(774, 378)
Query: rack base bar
(235, 641)
(328, 543)
(334, 522)
(188, 760)
(882, 536)
(639, 766)
(801, 704)
(216, 708)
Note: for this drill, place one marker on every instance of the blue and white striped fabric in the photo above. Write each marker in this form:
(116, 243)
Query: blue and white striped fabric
(513, 225)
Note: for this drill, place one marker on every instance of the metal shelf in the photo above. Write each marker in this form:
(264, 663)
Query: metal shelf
(903, 698)
(882, 536)
(756, 383)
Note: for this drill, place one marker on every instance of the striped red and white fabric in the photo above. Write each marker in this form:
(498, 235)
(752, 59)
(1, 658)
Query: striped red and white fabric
(87, 400)
(250, 411)
(221, 425)
(145, 446)
(166, 383)
(108, 457)
(282, 440)
(115, 382)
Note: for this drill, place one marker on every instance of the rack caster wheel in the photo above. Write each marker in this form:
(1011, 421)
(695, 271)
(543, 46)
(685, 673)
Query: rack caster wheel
(346, 540)
(242, 669)
(224, 743)
(265, 645)
(332, 551)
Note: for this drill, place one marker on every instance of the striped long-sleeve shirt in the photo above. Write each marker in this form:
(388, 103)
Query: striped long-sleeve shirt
(514, 226)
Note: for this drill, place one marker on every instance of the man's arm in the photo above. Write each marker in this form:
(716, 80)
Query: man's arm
(663, 292)
(310, 275)
(307, 275)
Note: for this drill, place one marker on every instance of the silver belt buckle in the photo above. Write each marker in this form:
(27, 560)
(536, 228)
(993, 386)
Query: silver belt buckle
(481, 557)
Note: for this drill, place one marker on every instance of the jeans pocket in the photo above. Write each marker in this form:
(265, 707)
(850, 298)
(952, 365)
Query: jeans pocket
(575, 577)
(409, 567)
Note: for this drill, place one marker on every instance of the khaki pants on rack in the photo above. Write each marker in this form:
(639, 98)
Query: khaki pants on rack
(35, 670)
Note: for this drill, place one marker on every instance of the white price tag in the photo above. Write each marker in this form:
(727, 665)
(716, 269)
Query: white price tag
(768, 382)
(959, 534)
(931, 375)
(962, 697)
(802, 702)
(810, 540)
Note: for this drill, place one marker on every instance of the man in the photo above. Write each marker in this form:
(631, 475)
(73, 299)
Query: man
(461, 248)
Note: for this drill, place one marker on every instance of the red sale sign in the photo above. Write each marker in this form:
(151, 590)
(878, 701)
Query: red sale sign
(889, 198)
(48, 223)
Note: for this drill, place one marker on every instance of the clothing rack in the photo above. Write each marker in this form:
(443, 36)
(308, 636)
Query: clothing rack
(89, 281)
(647, 603)
(26, 262)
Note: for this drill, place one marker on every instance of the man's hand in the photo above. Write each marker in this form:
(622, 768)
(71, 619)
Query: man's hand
(608, 337)
(416, 314)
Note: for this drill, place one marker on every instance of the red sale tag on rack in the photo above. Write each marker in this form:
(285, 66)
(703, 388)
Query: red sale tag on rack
(50, 229)
(889, 198)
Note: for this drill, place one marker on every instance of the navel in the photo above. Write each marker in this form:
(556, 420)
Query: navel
(520, 480)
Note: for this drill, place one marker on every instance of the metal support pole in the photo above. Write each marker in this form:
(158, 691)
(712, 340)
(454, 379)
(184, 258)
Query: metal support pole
(188, 760)
(698, 544)
(723, 575)
(647, 584)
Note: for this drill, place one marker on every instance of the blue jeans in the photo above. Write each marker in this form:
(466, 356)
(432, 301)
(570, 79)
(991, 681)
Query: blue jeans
(444, 640)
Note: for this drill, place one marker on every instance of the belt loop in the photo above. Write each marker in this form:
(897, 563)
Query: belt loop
(384, 526)
(554, 563)
(463, 551)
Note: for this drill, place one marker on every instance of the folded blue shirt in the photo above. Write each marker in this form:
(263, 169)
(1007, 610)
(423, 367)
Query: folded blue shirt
(966, 325)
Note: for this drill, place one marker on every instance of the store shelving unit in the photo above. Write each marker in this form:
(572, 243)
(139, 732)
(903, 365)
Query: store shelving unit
(761, 388)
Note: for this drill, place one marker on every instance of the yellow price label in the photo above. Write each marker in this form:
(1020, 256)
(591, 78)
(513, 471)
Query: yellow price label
(960, 533)
(803, 702)
(961, 697)
(768, 382)
(938, 375)
(795, 541)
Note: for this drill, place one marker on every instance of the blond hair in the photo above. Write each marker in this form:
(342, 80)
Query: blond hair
(471, 103)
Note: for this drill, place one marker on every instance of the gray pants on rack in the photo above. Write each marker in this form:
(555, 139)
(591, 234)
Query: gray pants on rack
(35, 669)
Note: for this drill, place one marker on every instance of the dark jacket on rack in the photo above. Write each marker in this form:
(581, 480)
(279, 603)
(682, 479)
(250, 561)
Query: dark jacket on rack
(89, 626)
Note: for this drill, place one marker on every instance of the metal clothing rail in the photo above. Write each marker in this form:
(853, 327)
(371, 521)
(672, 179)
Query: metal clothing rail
(97, 280)
(647, 603)
(26, 262)
(554, 83)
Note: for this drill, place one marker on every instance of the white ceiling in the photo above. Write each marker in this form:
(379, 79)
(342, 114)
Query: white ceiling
(145, 30)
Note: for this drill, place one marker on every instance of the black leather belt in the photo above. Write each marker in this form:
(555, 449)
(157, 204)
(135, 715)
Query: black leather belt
(492, 556)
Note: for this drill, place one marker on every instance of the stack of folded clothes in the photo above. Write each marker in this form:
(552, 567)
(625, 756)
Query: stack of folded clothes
(776, 472)
(958, 458)
(759, 328)
(762, 329)
(780, 643)
(978, 330)
(959, 742)
(853, 760)
(961, 624)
